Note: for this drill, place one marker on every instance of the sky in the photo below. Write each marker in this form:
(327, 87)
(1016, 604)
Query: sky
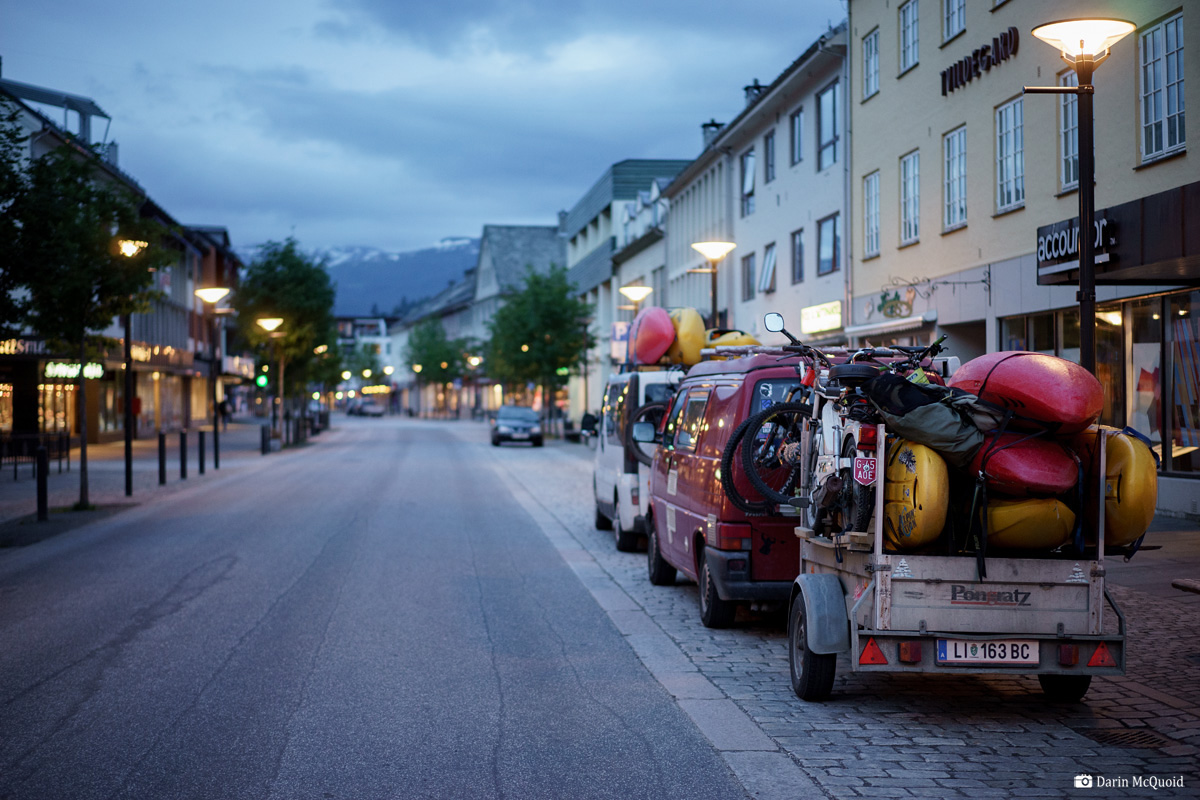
(397, 123)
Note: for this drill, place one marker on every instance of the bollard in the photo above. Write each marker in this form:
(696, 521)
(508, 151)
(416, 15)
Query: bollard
(162, 458)
(43, 474)
(216, 448)
(201, 446)
(265, 440)
(183, 455)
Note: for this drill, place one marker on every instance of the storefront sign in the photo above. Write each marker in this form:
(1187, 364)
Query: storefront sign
(1058, 244)
(825, 317)
(981, 60)
(19, 347)
(57, 369)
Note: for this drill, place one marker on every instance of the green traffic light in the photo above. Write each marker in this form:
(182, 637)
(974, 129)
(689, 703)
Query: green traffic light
(261, 380)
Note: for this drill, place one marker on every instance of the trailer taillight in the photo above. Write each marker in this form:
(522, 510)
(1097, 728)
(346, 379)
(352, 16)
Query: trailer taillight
(868, 437)
(1068, 655)
(910, 652)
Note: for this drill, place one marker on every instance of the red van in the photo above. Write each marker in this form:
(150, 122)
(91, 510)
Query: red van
(693, 526)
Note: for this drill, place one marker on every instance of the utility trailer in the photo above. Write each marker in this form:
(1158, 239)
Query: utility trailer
(932, 613)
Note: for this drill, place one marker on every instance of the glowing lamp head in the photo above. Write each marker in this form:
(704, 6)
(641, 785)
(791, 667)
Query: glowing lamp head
(713, 251)
(269, 323)
(1084, 37)
(130, 248)
(636, 293)
(213, 295)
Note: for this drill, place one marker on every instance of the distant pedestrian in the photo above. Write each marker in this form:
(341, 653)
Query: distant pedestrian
(226, 412)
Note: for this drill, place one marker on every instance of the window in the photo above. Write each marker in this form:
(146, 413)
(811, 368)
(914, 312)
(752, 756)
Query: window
(1010, 156)
(909, 39)
(1068, 126)
(1162, 88)
(871, 63)
(748, 182)
(690, 420)
(954, 21)
(766, 280)
(871, 214)
(829, 244)
(797, 120)
(798, 256)
(748, 275)
(769, 156)
(827, 127)
(954, 147)
(910, 197)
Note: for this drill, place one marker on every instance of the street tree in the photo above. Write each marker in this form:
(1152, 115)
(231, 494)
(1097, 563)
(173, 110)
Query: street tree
(540, 333)
(433, 357)
(65, 226)
(285, 283)
(13, 182)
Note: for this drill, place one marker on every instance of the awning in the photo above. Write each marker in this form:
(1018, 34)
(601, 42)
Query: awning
(893, 325)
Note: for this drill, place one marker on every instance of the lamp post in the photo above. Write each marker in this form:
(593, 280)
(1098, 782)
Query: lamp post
(1084, 44)
(713, 252)
(212, 296)
(271, 326)
(129, 249)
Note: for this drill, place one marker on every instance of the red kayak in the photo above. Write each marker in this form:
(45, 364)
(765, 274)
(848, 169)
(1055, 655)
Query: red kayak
(651, 335)
(1022, 467)
(1059, 394)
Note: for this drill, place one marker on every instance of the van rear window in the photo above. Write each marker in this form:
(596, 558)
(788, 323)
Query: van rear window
(689, 421)
(771, 391)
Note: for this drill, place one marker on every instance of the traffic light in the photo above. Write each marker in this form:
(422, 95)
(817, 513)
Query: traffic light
(261, 380)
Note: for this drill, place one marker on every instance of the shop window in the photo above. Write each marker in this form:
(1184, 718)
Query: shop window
(1110, 363)
(1041, 333)
(1185, 383)
(1012, 333)
(1145, 376)
(56, 407)
(6, 407)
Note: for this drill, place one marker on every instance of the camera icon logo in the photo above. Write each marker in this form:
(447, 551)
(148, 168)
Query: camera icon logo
(1083, 782)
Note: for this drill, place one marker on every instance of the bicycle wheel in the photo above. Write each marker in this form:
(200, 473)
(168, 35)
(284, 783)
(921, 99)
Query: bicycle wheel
(857, 501)
(771, 450)
(740, 496)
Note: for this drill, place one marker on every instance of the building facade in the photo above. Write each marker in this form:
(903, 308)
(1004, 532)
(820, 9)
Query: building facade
(965, 215)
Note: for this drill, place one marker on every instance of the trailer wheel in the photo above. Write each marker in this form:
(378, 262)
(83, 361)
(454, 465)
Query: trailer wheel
(812, 673)
(1065, 688)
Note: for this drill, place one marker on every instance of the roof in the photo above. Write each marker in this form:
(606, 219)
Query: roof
(621, 181)
(36, 94)
(512, 248)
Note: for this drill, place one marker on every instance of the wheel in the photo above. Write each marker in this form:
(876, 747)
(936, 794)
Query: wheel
(652, 413)
(495, 442)
(1065, 688)
(729, 462)
(538, 442)
(812, 673)
(714, 612)
(627, 540)
(772, 461)
(857, 502)
(661, 573)
(603, 523)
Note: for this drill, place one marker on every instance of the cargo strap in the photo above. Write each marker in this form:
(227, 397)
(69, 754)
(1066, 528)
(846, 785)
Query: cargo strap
(978, 525)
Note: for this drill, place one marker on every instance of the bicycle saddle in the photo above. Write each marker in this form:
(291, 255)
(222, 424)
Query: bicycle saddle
(852, 375)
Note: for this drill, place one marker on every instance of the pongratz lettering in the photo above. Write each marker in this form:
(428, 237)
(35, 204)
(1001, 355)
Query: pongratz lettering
(965, 595)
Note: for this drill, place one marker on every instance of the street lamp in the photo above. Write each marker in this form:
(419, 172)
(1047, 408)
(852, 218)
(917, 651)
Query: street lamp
(1084, 44)
(212, 296)
(637, 294)
(713, 252)
(271, 325)
(129, 248)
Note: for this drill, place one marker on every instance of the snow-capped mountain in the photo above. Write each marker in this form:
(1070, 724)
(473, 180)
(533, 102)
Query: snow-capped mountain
(372, 281)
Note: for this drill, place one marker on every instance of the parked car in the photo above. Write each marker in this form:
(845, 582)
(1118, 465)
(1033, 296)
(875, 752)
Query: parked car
(516, 424)
(369, 408)
(693, 527)
(621, 468)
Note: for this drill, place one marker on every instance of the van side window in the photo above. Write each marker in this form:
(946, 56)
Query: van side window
(689, 420)
(614, 412)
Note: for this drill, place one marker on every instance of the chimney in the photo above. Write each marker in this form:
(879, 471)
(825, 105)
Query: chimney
(109, 152)
(562, 223)
(710, 130)
(753, 92)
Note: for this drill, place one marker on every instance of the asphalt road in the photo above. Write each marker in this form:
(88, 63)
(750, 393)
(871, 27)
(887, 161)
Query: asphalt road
(373, 616)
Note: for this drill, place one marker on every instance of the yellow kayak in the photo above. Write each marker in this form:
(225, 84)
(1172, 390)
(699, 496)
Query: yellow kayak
(724, 337)
(1034, 523)
(1130, 483)
(915, 495)
(689, 336)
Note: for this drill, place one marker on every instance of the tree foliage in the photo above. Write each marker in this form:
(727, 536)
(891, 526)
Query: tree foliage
(440, 358)
(539, 331)
(283, 282)
(12, 184)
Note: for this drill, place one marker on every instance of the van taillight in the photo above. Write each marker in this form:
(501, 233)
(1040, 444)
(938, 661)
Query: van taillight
(868, 437)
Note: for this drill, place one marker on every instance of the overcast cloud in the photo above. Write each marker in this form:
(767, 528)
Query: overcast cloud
(395, 124)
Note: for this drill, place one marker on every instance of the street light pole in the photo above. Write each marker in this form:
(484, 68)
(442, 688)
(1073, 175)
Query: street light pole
(713, 252)
(1084, 44)
(125, 321)
(212, 296)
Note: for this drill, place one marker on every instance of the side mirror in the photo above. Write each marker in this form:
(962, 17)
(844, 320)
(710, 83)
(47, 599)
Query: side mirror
(644, 432)
(774, 322)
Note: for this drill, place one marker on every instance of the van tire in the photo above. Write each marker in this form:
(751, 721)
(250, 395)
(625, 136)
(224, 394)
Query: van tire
(603, 523)
(714, 612)
(627, 540)
(661, 573)
(1064, 688)
(811, 673)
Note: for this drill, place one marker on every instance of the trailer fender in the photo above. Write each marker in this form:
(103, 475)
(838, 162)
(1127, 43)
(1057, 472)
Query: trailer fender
(825, 608)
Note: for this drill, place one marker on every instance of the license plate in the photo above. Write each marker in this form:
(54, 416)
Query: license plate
(864, 470)
(520, 435)
(965, 651)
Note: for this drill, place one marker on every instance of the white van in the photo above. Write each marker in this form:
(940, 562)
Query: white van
(622, 466)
